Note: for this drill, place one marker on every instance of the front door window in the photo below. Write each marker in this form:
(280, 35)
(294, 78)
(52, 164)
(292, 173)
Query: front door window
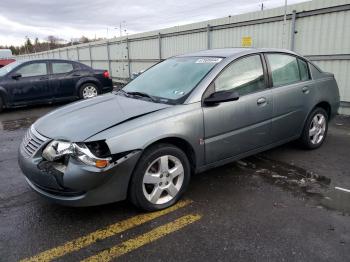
(34, 69)
(244, 76)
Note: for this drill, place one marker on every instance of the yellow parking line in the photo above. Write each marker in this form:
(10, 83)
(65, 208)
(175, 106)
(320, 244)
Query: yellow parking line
(143, 239)
(111, 230)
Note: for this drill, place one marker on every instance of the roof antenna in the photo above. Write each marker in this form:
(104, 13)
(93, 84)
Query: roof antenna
(262, 6)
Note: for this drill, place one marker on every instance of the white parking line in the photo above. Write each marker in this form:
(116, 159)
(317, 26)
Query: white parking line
(343, 189)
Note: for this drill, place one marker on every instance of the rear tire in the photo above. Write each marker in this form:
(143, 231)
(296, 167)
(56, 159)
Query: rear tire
(315, 129)
(88, 90)
(160, 178)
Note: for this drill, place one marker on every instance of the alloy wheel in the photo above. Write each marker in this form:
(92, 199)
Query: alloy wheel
(317, 129)
(89, 92)
(163, 179)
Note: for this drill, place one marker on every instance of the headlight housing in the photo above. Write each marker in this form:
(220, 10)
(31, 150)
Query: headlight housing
(56, 149)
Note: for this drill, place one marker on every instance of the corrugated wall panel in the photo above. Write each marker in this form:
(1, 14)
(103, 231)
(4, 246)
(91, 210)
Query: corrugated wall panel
(136, 67)
(56, 54)
(263, 35)
(63, 54)
(84, 53)
(176, 45)
(341, 70)
(120, 69)
(99, 52)
(323, 34)
(146, 49)
(118, 51)
(73, 54)
(101, 65)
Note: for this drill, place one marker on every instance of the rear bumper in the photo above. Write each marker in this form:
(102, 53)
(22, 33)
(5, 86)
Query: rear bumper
(107, 89)
(107, 85)
(334, 109)
(79, 185)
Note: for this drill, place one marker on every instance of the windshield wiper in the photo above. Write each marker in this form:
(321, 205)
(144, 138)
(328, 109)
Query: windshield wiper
(142, 94)
(122, 91)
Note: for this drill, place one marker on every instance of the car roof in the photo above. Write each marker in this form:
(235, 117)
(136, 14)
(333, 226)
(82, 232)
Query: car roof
(233, 52)
(48, 60)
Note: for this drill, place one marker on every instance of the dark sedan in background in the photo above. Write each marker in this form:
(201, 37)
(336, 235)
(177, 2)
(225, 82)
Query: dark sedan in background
(50, 80)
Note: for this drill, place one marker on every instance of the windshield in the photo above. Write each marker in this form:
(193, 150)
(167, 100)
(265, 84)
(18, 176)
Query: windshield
(173, 79)
(6, 69)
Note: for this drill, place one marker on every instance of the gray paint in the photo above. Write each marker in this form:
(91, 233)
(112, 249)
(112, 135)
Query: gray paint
(217, 134)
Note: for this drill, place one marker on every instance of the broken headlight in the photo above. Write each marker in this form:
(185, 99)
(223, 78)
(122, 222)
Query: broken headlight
(55, 150)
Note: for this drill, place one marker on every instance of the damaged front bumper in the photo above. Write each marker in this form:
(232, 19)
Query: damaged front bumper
(76, 184)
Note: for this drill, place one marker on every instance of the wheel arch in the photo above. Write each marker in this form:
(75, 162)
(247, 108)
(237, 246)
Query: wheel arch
(326, 106)
(87, 80)
(170, 140)
(322, 104)
(181, 143)
(304, 135)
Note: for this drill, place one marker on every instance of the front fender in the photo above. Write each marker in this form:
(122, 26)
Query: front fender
(183, 121)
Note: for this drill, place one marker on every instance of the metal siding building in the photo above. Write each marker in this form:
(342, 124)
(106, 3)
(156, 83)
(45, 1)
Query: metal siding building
(323, 35)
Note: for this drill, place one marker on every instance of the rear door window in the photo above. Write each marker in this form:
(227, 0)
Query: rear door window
(61, 68)
(284, 69)
(33, 69)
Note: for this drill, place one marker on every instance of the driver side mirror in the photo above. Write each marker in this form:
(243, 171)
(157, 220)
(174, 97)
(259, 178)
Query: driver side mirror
(16, 76)
(220, 97)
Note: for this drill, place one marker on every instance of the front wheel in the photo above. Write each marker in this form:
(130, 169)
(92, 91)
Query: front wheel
(315, 129)
(88, 90)
(160, 177)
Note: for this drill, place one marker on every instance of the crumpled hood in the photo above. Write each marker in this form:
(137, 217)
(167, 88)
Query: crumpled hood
(78, 121)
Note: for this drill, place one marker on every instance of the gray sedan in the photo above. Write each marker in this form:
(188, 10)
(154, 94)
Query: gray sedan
(182, 116)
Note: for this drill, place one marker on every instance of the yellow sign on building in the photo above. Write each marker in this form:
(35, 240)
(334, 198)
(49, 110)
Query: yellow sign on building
(247, 41)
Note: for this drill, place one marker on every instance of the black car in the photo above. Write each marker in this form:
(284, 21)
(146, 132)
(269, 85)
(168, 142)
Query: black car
(50, 80)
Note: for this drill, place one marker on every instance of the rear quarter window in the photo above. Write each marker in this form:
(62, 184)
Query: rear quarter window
(304, 70)
(315, 73)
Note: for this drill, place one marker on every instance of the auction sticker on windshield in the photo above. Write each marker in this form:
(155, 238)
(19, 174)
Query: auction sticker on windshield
(208, 60)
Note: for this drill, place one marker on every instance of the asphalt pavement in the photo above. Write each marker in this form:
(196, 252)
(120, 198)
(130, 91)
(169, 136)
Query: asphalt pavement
(286, 204)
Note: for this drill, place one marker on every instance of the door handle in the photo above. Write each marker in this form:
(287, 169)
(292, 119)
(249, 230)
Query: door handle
(306, 90)
(76, 74)
(261, 101)
(44, 78)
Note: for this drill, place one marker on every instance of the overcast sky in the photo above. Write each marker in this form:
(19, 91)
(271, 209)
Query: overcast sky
(73, 18)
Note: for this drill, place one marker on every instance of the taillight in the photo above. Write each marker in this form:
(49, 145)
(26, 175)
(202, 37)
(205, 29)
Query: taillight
(106, 74)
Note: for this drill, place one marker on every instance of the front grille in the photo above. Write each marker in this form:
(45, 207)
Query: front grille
(32, 142)
(66, 192)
